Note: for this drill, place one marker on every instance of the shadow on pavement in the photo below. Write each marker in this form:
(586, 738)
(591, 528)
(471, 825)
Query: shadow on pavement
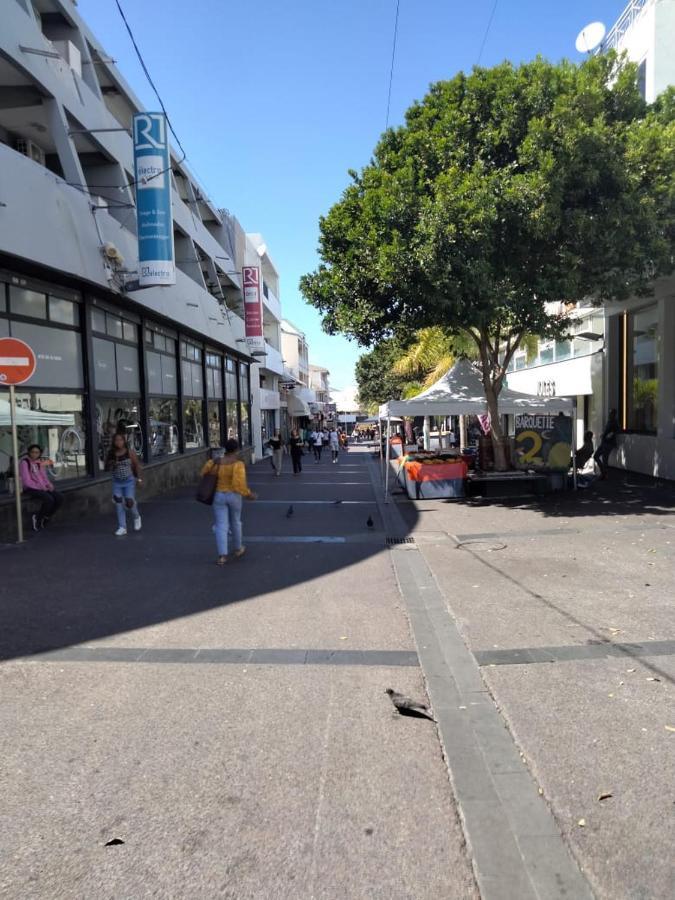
(77, 583)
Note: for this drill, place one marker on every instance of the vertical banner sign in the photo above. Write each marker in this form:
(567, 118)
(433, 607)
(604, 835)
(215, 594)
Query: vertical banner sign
(253, 316)
(544, 442)
(153, 200)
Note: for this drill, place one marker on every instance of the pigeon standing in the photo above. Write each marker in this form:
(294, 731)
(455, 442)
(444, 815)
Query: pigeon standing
(408, 707)
(369, 522)
(289, 511)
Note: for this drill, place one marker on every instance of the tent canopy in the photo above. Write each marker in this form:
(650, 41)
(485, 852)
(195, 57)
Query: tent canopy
(460, 392)
(297, 406)
(32, 416)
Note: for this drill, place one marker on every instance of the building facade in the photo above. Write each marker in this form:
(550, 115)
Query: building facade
(620, 357)
(640, 333)
(169, 366)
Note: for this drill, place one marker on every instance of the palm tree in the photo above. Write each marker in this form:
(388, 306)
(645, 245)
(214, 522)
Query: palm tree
(432, 354)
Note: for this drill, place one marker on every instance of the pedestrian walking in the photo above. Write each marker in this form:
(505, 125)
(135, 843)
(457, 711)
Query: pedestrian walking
(231, 488)
(276, 445)
(317, 444)
(607, 443)
(296, 445)
(334, 442)
(123, 462)
(35, 483)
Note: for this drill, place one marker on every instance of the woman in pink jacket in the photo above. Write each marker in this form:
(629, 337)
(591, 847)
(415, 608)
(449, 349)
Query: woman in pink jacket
(35, 483)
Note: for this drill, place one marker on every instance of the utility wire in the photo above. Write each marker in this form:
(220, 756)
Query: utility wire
(148, 76)
(393, 58)
(487, 31)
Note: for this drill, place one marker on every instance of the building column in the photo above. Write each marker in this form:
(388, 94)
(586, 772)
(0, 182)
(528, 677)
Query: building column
(65, 146)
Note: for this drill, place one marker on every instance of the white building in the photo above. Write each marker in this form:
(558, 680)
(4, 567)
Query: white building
(169, 366)
(640, 333)
(298, 400)
(622, 357)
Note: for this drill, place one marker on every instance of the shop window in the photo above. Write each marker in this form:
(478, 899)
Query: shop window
(191, 370)
(3, 299)
(115, 366)
(117, 415)
(245, 436)
(214, 376)
(24, 302)
(164, 439)
(58, 354)
(642, 370)
(213, 412)
(54, 421)
(63, 312)
(193, 427)
(231, 420)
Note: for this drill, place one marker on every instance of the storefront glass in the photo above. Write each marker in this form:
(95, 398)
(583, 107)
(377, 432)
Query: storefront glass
(55, 422)
(643, 381)
(231, 420)
(245, 405)
(213, 412)
(193, 428)
(118, 415)
(163, 414)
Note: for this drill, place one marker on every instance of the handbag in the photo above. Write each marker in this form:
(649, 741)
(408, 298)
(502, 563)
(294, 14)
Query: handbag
(206, 489)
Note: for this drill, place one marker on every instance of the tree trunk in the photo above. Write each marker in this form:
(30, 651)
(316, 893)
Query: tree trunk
(496, 432)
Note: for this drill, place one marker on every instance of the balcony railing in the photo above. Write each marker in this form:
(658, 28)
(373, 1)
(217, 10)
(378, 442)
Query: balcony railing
(623, 23)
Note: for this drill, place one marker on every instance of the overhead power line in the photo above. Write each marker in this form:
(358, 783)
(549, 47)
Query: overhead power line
(487, 31)
(149, 77)
(393, 59)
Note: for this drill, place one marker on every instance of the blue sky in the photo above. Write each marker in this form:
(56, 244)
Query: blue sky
(274, 101)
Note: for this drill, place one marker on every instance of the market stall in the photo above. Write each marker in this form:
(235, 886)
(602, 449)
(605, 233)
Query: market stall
(460, 392)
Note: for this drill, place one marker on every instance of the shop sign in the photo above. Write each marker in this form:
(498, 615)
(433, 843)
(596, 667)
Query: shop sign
(253, 313)
(546, 388)
(543, 441)
(156, 265)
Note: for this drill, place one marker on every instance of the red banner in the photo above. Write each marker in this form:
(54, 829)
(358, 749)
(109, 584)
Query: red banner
(253, 314)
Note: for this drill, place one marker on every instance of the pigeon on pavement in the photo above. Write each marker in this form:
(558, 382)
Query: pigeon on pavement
(289, 511)
(408, 707)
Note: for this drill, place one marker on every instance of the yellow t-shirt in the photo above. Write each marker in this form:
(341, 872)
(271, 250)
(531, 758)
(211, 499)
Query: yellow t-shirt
(231, 477)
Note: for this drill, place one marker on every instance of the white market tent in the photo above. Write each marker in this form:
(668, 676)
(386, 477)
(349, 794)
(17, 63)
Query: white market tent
(32, 416)
(460, 392)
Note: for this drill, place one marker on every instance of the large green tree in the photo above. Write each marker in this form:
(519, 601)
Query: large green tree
(375, 376)
(505, 191)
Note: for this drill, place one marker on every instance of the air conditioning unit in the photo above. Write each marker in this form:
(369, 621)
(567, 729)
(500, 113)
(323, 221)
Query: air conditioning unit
(31, 150)
(70, 53)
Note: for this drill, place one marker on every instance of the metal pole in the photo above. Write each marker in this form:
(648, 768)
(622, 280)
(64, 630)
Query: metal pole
(574, 444)
(15, 454)
(386, 471)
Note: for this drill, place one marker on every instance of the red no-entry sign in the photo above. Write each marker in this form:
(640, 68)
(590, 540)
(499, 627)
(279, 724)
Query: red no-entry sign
(17, 361)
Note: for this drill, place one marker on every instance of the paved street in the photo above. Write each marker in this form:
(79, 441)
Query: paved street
(231, 727)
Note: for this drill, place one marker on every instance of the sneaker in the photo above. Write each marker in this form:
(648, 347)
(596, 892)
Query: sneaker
(137, 523)
(120, 532)
(34, 520)
(240, 552)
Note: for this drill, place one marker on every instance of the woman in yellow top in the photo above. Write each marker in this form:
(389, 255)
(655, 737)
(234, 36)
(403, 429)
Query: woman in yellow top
(231, 488)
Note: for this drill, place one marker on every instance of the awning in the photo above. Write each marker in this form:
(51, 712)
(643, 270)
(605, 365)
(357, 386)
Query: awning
(297, 406)
(33, 416)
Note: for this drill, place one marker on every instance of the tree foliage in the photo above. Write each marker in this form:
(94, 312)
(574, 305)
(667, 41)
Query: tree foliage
(505, 190)
(375, 376)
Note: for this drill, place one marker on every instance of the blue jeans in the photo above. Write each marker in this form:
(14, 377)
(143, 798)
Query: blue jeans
(227, 515)
(124, 497)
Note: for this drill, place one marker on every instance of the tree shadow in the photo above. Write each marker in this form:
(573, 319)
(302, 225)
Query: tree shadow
(621, 494)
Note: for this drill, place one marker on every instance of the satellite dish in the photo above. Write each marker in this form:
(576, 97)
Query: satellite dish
(590, 37)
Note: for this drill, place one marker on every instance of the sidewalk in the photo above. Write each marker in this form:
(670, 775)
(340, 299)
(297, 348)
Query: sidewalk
(230, 726)
(568, 605)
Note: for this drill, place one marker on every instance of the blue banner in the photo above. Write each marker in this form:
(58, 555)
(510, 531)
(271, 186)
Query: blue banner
(153, 200)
